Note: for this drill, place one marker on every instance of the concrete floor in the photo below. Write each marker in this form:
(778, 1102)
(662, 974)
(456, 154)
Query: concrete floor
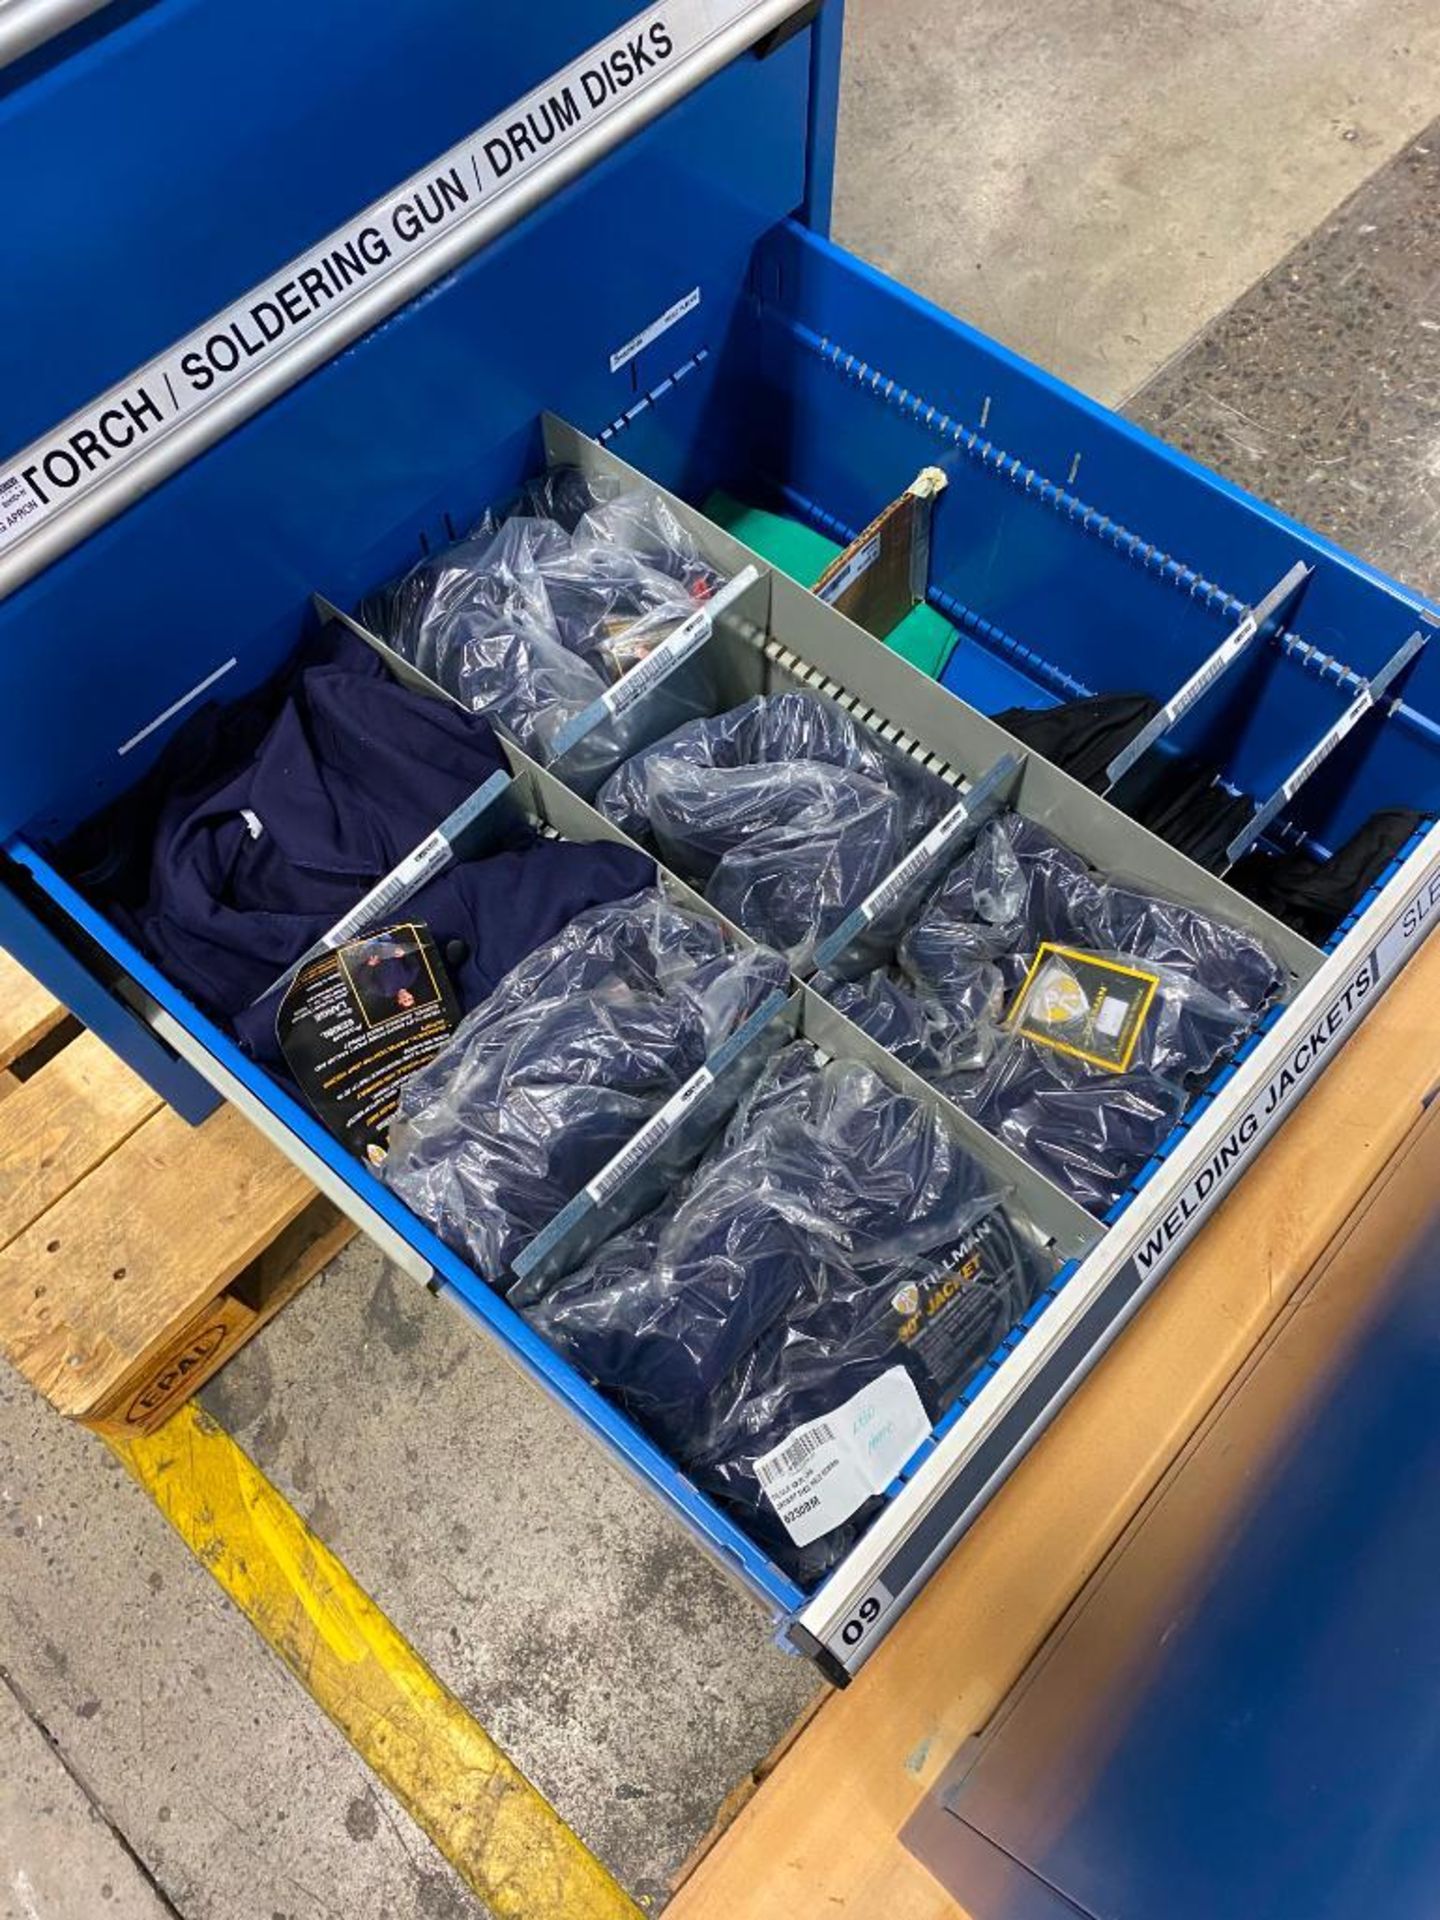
(1092, 183)
(1118, 184)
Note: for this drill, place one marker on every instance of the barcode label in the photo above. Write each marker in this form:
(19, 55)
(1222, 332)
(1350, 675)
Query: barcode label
(915, 862)
(413, 871)
(1364, 701)
(795, 1454)
(647, 336)
(675, 648)
(672, 651)
(824, 1472)
(854, 569)
(656, 1129)
(1194, 689)
(1179, 704)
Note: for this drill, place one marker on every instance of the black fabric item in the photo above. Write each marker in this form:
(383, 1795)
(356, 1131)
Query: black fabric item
(1180, 801)
(1081, 736)
(1173, 794)
(1314, 896)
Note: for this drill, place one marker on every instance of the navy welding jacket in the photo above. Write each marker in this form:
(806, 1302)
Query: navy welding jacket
(254, 860)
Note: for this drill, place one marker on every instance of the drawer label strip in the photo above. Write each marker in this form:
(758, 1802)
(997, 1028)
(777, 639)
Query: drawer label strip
(302, 314)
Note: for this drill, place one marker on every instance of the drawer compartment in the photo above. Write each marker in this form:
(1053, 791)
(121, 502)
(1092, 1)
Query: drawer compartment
(1073, 558)
(1073, 554)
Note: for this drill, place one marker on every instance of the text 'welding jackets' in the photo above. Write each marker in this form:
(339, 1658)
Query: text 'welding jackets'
(542, 1085)
(784, 811)
(836, 1231)
(530, 620)
(253, 862)
(948, 1005)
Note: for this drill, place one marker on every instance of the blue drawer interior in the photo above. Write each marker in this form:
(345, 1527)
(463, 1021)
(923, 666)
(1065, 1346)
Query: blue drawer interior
(1073, 553)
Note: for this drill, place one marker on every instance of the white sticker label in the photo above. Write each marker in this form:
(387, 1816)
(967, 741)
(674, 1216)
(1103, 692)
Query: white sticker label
(655, 1130)
(672, 652)
(915, 862)
(1110, 1017)
(854, 569)
(825, 1471)
(622, 356)
(1348, 721)
(1313, 1050)
(470, 180)
(1224, 654)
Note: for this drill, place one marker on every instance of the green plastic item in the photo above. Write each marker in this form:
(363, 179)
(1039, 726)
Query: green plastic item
(924, 637)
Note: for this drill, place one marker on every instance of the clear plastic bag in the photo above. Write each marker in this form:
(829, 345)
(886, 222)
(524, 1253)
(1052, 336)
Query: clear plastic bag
(784, 811)
(639, 522)
(833, 1225)
(552, 1076)
(531, 620)
(953, 1005)
(940, 1319)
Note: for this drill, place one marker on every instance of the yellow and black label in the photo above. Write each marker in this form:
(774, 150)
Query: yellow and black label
(1084, 1005)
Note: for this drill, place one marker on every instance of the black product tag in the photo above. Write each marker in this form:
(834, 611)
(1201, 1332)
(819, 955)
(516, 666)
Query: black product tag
(1084, 1005)
(938, 1321)
(356, 1023)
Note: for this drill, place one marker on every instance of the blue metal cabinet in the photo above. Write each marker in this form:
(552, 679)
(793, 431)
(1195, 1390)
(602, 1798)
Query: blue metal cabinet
(620, 221)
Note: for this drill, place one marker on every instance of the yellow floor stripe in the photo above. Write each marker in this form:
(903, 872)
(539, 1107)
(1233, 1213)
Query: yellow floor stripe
(501, 1835)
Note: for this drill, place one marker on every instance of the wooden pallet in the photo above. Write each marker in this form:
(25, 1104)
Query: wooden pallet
(136, 1252)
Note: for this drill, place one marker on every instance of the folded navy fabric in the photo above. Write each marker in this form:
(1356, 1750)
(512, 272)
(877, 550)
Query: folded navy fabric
(783, 811)
(836, 1231)
(250, 863)
(549, 1079)
(943, 1005)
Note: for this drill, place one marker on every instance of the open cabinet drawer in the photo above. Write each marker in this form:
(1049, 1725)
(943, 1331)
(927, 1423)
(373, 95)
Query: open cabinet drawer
(737, 350)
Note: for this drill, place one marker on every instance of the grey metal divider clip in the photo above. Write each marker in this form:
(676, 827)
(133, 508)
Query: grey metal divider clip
(1253, 622)
(1368, 698)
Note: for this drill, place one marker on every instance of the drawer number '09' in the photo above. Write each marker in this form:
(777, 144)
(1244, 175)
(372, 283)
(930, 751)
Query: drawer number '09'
(858, 1626)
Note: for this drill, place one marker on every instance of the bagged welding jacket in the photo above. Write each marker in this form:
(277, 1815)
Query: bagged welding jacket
(944, 1005)
(542, 1085)
(784, 811)
(532, 619)
(837, 1230)
(273, 821)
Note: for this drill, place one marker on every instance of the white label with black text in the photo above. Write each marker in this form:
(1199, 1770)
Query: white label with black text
(855, 568)
(657, 1128)
(674, 649)
(672, 652)
(647, 337)
(1348, 721)
(481, 171)
(1211, 671)
(825, 1471)
(915, 862)
(1304, 1059)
